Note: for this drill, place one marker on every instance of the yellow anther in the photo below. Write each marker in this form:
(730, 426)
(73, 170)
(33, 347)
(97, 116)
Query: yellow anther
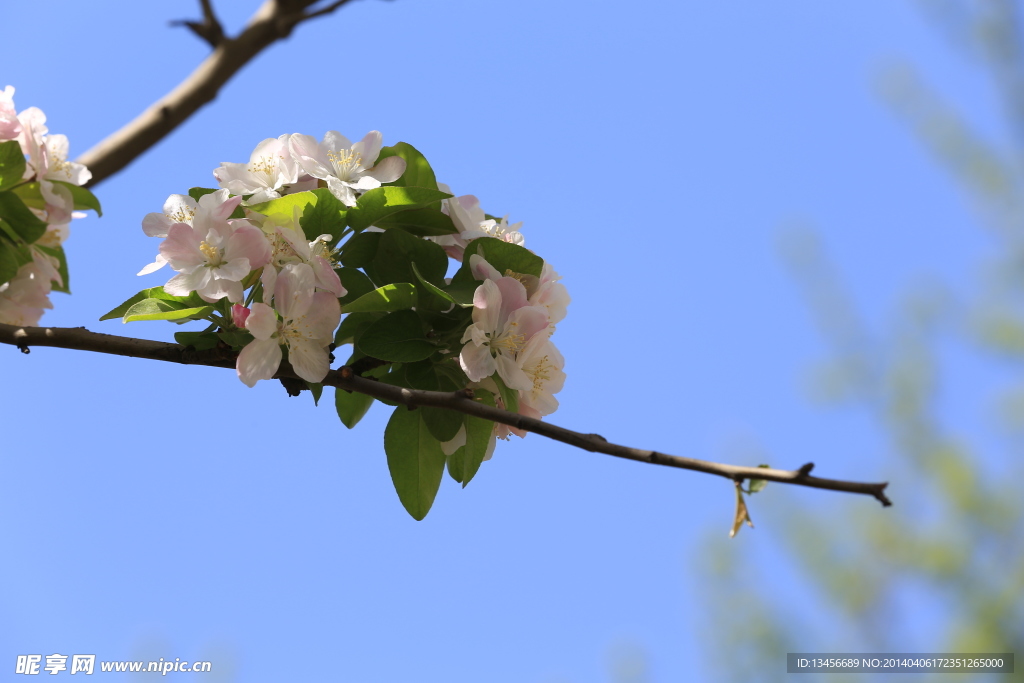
(211, 253)
(264, 165)
(60, 165)
(517, 276)
(540, 374)
(512, 343)
(182, 215)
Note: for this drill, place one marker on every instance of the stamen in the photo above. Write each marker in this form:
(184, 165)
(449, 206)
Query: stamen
(540, 374)
(264, 166)
(344, 162)
(184, 214)
(212, 254)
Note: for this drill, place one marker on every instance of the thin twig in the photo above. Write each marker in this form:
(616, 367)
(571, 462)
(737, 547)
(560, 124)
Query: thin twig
(82, 339)
(325, 10)
(274, 20)
(209, 29)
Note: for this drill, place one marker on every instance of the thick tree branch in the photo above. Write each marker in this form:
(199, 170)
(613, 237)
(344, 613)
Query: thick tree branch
(274, 20)
(82, 339)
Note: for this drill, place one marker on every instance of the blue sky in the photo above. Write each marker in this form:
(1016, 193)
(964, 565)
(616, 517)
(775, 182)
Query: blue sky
(654, 150)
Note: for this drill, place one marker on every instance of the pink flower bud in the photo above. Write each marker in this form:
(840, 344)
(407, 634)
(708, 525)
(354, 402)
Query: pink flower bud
(238, 315)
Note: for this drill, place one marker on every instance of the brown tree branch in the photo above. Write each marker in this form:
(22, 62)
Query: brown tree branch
(82, 339)
(273, 21)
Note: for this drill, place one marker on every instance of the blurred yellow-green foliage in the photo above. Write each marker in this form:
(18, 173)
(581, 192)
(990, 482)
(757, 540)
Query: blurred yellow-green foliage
(943, 570)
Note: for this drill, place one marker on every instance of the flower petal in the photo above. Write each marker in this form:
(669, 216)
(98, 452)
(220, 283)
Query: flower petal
(388, 170)
(261, 321)
(476, 362)
(309, 359)
(260, 359)
(156, 265)
(293, 293)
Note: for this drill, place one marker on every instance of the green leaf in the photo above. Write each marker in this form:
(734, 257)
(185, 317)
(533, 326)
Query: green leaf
(396, 297)
(159, 309)
(11, 259)
(20, 218)
(397, 337)
(510, 397)
(396, 253)
(317, 390)
(360, 250)
(443, 424)
(464, 463)
(62, 267)
(192, 299)
(381, 202)
(351, 406)
(462, 292)
(83, 198)
(200, 341)
(236, 339)
(415, 460)
(326, 216)
(755, 485)
(197, 192)
(12, 164)
(457, 464)
(440, 293)
(282, 210)
(32, 195)
(504, 256)
(355, 283)
(478, 437)
(8, 231)
(421, 222)
(353, 326)
(417, 171)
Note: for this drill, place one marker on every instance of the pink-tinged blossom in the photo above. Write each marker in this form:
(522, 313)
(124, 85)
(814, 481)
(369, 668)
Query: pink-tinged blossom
(503, 323)
(179, 208)
(471, 223)
(543, 364)
(290, 246)
(32, 140)
(55, 235)
(213, 208)
(306, 326)
(213, 255)
(347, 168)
(551, 294)
(498, 229)
(25, 296)
(47, 154)
(59, 205)
(269, 170)
(545, 291)
(10, 126)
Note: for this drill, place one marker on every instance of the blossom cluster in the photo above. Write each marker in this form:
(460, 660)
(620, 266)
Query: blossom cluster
(308, 231)
(38, 191)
